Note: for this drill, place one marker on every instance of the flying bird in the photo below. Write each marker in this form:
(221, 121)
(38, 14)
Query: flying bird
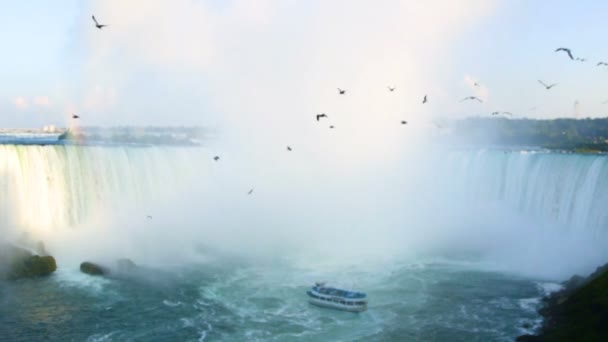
(74, 116)
(99, 26)
(505, 113)
(581, 59)
(322, 115)
(424, 100)
(149, 217)
(602, 63)
(476, 84)
(332, 126)
(403, 122)
(472, 98)
(250, 192)
(288, 148)
(391, 89)
(216, 158)
(341, 91)
(547, 86)
(566, 50)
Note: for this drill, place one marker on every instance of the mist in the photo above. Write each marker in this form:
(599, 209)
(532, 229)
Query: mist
(259, 72)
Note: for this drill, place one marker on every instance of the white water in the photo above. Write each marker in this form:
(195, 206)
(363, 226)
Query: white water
(55, 188)
(539, 214)
(570, 190)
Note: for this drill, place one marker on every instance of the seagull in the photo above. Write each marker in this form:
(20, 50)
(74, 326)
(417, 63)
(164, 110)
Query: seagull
(149, 217)
(216, 158)
(472, 98)
(74, 116)
(424, 100)
(341, 91)
(391, 89)
(288, 148)
(250, 192)
(602, 63)
(581, 59)
(505, 113)
(322, 115)
(97, 24)
(566, 50)
(547, 86)
(403, 122)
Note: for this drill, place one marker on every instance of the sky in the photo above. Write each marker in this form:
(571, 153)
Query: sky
(251, 65)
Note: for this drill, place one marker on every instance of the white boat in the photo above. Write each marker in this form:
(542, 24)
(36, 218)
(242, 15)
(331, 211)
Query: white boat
(334, 298)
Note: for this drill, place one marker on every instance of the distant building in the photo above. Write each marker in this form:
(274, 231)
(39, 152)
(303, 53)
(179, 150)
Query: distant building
(50, 129)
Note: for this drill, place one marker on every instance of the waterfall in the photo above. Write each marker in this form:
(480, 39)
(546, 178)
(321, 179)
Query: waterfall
(570, 190)
(60, 186)
(530, 211)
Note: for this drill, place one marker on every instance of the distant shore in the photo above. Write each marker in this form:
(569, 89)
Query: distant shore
(567, 135)
(174, 136)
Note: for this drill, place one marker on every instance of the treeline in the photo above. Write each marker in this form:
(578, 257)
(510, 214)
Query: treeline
(566, 134)
(139, 135)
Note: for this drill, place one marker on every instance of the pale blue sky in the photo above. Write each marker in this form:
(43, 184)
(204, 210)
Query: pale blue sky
(47, 54)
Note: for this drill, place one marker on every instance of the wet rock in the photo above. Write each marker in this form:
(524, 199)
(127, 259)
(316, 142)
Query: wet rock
(93, 269)
(34, 266)
(17, 263)
(126, 266)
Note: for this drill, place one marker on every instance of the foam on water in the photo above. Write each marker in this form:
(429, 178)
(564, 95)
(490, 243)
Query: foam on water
(72, 277)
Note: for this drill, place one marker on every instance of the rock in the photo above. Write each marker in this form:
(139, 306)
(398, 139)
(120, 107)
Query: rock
(125, 266)
(16, 263)
(93, 269)
(34, 266)
(576, 313)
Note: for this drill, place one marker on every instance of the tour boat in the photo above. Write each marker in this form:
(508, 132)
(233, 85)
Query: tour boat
(334, 298)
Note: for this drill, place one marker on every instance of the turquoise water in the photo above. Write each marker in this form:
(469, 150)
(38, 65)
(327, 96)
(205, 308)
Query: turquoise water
(426, 301)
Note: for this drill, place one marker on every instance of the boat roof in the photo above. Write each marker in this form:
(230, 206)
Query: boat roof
(332, 291)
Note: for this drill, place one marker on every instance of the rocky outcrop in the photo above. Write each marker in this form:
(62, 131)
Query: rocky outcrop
(579, 312)
(16, 263)
(122, 268)
(93, 269)
(125, 266)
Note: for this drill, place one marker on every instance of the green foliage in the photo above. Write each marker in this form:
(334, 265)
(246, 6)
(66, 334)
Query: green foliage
(584, 135)
(583, 316)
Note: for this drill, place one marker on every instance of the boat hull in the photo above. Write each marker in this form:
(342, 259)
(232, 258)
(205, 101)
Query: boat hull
(336, 305)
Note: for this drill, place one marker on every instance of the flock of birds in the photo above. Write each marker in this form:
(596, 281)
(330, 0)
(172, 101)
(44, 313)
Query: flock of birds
(393, 88)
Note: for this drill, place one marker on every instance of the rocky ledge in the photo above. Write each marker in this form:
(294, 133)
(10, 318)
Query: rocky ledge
(578, 312)
(17, 263)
